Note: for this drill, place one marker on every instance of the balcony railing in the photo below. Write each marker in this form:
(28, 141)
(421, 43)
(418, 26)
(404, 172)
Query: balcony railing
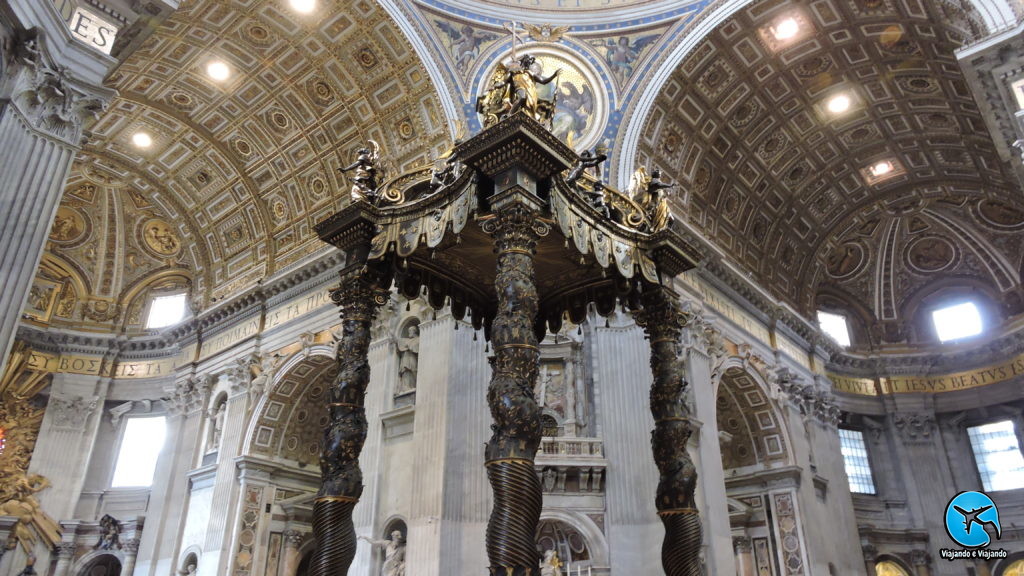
(585, 447)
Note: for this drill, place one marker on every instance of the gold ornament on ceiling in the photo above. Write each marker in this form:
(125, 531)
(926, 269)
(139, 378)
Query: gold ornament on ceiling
(930, 254)
(68, 225)
(160, 237)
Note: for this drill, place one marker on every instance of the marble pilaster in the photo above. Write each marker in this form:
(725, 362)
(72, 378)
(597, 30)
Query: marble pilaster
(43, 111)
(65, 557)
(383, 357)
(216, 550)
(430, 438)
(130, 548)
(169, 493)
(711, 480)
(65, 442)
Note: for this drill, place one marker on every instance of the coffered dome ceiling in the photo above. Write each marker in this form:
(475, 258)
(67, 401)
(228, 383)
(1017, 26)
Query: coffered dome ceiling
(785, 188)
(242, 169)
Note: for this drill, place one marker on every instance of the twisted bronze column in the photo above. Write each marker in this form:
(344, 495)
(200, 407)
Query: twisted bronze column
(663, 322)
(362, 291)
(511, 530)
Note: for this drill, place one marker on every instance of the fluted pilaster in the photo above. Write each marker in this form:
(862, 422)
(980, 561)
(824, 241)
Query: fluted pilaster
(42, 116)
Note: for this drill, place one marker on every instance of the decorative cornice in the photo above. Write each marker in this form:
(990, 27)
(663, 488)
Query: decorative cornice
(925, 363)
(293, 283)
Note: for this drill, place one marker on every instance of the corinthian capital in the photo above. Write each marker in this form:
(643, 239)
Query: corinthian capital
(71, 413)
(50, 98)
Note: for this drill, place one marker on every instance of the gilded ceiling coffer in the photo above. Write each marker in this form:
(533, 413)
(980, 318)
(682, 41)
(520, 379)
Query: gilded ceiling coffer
(514, 232)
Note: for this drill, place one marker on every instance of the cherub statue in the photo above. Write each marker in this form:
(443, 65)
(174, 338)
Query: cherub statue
(596, 197)
(551, 565)
(494, 104)
(367, 170)
(394, 553)
(587, 160)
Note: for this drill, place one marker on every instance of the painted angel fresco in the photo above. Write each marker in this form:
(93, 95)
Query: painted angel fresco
(464, 42)
(621, 54)
(573, 112)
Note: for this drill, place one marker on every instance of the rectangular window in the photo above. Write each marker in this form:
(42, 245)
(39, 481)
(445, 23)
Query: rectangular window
(835, 326)
(855, 456)
(997, 453)
(140, 448)
(166, 311)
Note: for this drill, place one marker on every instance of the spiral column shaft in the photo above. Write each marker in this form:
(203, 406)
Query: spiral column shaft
(511, 530)
(663, 321)
(363, 290)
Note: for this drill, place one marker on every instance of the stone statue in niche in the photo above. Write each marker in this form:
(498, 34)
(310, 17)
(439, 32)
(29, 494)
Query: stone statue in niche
(408, 358)
(394, 553)
(216, 427)
(550, 476)
(110, 533)
(551, 565)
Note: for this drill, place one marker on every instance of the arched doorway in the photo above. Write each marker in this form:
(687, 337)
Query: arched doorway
(102, 565)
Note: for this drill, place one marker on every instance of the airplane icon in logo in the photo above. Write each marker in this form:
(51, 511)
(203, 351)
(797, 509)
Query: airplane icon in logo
(971, 517)
(967, 509)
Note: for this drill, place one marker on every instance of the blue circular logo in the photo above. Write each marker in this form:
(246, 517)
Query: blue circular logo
(967, 516)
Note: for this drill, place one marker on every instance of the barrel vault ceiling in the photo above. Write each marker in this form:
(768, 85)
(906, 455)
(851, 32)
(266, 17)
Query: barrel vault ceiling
(784, 188)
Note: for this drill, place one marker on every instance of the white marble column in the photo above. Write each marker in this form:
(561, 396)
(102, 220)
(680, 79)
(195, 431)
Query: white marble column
(44, 105)
(622, 380)
(467, 493)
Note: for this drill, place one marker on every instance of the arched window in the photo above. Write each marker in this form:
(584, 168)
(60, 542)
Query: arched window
(889, 568)
(103, 565)
(565, 540)
(1016, 568)
(549, 425)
